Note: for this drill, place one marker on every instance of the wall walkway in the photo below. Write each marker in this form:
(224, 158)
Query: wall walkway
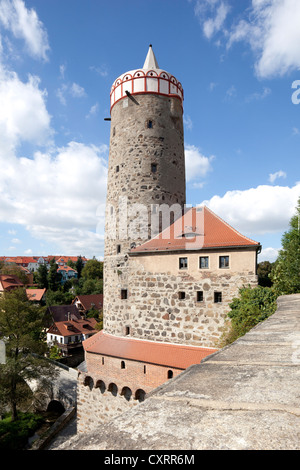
(244, 397)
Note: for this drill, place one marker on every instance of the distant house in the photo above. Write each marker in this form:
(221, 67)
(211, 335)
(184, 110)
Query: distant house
(85, 303)
(36, 295)
(61, 313)
(68, 335)
(9, 282)
(67, 273)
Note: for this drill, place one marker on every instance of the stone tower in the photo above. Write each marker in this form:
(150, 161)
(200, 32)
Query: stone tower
(146, 174)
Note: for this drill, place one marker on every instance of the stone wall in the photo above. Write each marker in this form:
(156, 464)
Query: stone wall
(155, 311)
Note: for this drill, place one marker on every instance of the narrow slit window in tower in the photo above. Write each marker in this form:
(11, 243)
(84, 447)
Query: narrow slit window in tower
(124, 294)
(153, 167)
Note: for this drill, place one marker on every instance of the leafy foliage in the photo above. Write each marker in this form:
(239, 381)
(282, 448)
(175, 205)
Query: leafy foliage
(252, 306)
(286, 272)
(14, 434)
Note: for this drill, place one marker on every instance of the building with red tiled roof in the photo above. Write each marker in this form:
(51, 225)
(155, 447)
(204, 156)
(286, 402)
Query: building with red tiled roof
(69, 334)
(84, 303)
(9, 282)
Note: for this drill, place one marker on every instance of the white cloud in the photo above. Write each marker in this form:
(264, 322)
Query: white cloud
(25, 24)
(23, 116)
(274, 176)
(58, 196)
(218, 11)
(74, 90)
(261, 210)
(77, 91)
(197, 164)
(273, 33)
(259, 96)
(268, 254)
(93, 111)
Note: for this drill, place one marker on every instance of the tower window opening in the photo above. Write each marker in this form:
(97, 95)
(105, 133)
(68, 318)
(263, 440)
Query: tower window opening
(153, 167)
(200, 296)
(117, 169)
(122, 364)
(118, 249)
(124, 294)
(144, 369)
(217, 297)
(150, 124)
(170, 374)
(127, 330)
(181, 295)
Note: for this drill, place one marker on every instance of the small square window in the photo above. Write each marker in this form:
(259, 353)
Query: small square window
(181, 295)
(124, 294)
(183, 263)
(217, 297)
(223, 262)
(199, 296)
(203, 262)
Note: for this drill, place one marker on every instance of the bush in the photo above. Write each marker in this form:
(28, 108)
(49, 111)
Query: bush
(14, 434)
(252, 306)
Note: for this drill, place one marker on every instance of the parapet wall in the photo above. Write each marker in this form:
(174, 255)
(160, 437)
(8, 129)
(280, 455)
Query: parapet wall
(244, 397)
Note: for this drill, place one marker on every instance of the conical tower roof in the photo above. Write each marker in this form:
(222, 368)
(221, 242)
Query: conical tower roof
(149, 79)
(150, 62)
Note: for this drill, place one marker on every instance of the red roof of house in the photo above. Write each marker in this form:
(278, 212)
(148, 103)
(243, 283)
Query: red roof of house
(73, 327)
(198, 229)
(166, 354)
(89, 301)
(35, 294)
(9, 281)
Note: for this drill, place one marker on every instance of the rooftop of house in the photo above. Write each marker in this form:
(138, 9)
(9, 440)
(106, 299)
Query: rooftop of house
(64, 312)
(198, 229)
(73, 327)
(152, 352)
(35, 294)
(9, 281)
(89, 301)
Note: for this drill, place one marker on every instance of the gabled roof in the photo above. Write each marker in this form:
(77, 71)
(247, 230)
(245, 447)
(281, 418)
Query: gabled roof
(64, 312)
(198, 229)
(35, 294)
(73, 327)
(89, 301)
(9, 281)
(152, 352)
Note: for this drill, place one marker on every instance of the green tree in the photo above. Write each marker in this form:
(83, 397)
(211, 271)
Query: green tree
(252, 306)
(79, 266)
(263, 271)
(286, 272)
(93, 269)
(42, 277)
(54, 277)
(22, 330)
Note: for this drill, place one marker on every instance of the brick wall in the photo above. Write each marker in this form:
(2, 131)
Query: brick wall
(108, 390)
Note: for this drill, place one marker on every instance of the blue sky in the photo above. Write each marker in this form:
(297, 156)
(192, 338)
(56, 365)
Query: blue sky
(237, 62)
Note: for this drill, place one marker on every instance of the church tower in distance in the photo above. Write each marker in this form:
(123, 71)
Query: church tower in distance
(146, 174)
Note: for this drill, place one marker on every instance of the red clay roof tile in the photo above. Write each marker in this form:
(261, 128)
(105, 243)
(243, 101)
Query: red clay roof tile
(152, 352)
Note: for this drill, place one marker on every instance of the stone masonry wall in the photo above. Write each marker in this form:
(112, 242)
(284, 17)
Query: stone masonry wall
(154, 311)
